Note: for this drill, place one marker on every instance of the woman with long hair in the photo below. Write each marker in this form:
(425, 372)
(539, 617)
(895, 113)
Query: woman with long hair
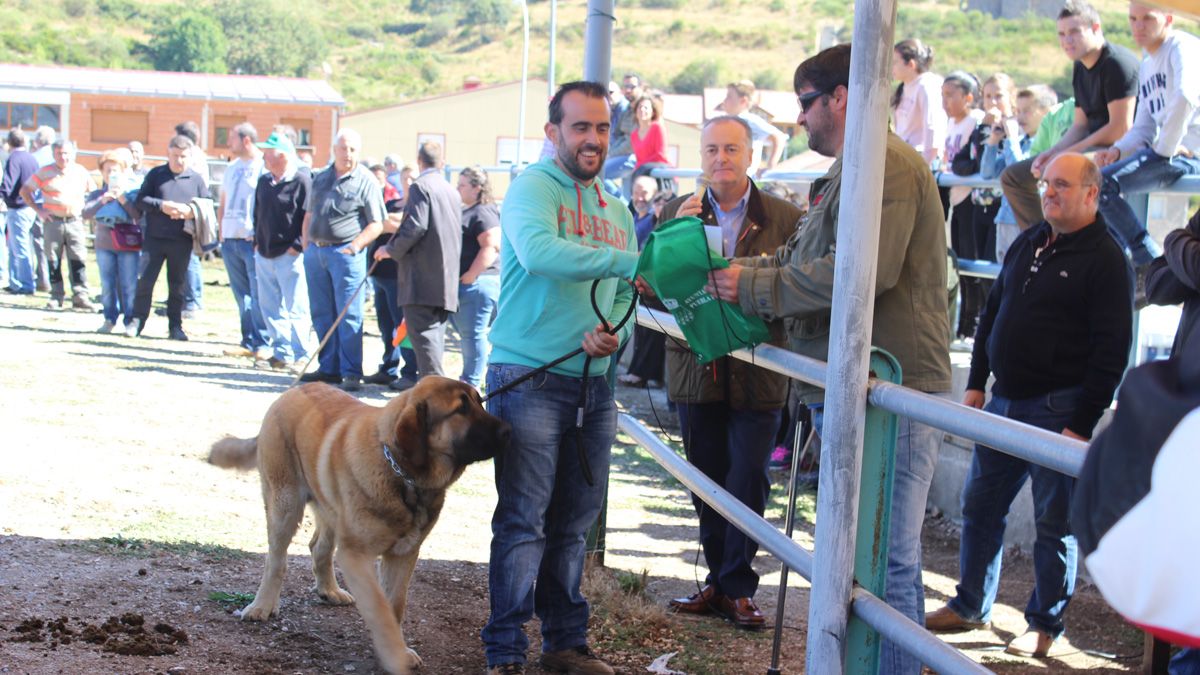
(479, 270)
(917, 104)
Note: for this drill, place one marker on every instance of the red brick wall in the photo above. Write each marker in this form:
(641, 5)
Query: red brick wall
(165, 113)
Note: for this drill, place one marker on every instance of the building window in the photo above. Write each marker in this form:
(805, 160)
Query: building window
(30, 116)
(23, 116)
(222, 127)
(303, 131)
(120, 126)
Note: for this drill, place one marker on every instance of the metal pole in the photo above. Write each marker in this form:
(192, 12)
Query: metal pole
(597, 56)
(524, 85)
(553, 47)
(800, 445)
(850, 334)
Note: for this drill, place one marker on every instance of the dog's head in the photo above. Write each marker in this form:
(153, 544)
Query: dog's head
(441, 427)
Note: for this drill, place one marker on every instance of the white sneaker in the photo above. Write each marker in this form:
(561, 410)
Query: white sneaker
(106, 328)
(131, 328)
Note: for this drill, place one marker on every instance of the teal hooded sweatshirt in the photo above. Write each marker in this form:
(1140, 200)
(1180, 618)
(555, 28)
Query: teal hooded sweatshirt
(557, 236)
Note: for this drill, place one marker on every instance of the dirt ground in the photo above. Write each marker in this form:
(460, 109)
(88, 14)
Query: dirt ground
(121, 551)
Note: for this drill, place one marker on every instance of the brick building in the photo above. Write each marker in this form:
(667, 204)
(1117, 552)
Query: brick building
(101, 109)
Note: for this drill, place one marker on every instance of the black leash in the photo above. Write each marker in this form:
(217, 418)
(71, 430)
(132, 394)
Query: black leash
(583, 385)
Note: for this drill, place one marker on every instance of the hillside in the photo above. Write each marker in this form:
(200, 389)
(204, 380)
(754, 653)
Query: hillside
(378, 52)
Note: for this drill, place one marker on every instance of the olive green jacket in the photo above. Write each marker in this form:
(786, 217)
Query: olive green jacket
(911, 318)
(768, 223)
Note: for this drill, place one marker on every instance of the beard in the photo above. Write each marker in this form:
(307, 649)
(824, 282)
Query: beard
(570, 161)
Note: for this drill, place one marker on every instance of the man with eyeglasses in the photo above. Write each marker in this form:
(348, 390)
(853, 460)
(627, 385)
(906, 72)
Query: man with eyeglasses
(1055, 333)
(911, 318)
(1104, 82)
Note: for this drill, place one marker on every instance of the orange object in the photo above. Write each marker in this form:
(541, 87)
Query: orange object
(401, 335)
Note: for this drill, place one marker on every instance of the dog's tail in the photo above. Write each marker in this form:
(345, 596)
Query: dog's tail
(235, 453)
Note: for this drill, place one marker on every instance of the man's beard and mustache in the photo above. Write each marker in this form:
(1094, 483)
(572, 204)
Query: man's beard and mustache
(571, 163)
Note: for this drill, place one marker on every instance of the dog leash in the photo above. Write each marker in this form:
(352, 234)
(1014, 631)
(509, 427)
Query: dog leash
(583, 386)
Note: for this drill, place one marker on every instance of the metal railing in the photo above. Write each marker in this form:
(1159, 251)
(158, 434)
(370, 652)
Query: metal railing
(1020, 440)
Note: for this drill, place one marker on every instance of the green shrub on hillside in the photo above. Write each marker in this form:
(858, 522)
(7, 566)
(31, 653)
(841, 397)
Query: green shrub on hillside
(193, 43)
(697, 75)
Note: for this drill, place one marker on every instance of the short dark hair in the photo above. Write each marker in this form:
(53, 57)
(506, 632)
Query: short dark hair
(246, 130)
(1080, 9)
(589, 89)
(964, 81)
(825, 70)
(16, 138)
(189, 129)
(430, 154)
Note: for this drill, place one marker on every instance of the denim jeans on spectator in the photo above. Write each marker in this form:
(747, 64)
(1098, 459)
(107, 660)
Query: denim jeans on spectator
(118, 283)
(333, 277)
(22, 259)
(992, 483)
(473, 321)
(1185, 662)
(193, 295)
(4, 250)
(238, 255)
(283, 300)
(1143, 171)
(916, 456)
(398, 361)
(619, 167)
(544, 509)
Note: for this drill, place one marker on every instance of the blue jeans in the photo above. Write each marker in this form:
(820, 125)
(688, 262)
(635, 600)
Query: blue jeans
(732, 448)
(4, 250)
(193, 295)
(544, 509)
(333, 277)
(619, 167)
(22, 258)
(1143, 171)
(1185, 662)
(473, 321)
(916, 456)
(992, 484)
(283, 301)
(118, 283)
(388, 316)
(238, 255)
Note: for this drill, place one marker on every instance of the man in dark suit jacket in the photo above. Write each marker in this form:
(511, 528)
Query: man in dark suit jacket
(426, 248)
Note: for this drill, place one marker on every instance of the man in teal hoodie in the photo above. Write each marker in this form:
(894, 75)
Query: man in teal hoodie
(559, 233)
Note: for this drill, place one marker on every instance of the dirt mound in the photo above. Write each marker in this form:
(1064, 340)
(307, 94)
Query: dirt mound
(125, 635)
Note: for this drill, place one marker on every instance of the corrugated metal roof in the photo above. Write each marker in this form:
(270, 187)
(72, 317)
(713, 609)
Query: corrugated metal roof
(249, 88)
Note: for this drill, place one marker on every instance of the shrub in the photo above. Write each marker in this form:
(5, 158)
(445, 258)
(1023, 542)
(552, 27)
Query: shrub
(697, 75)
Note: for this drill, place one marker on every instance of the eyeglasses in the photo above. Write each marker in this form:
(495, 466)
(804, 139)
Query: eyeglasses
(807, 100)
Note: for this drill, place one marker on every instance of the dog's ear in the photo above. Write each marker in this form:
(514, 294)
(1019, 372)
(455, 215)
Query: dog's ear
(412, 432)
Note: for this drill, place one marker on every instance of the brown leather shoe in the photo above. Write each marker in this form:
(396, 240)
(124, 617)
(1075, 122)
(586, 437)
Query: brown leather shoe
(1033, 643)
(741, 611)
(703, 602)
(946, 620)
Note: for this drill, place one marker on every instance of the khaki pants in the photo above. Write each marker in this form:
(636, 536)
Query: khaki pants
(67, 236)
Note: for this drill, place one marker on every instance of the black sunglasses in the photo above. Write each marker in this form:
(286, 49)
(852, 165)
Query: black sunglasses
(807, 100)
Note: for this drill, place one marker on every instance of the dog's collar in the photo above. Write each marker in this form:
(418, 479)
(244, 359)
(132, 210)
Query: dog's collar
(387, 454)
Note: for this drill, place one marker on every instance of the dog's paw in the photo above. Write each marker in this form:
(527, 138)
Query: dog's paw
(410, 661)
(257, 612)
(337, 596)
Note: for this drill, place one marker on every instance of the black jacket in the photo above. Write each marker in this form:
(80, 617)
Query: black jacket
(1065, 322)
(1174, 278)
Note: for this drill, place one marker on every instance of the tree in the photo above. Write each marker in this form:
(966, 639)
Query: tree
(193, 43)
(489, 16)
(267, 39)
(697, 75)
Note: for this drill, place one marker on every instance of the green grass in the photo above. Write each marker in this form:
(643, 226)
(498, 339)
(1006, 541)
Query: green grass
(139, 547)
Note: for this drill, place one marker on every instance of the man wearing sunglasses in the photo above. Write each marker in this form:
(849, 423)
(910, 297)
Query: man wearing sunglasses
(1055, 333)
(911, 319)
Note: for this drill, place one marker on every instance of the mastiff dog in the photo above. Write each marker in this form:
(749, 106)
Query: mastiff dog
(377, 480)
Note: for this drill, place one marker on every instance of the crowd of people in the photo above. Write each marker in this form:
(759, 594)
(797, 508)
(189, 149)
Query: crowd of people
(1051, 333)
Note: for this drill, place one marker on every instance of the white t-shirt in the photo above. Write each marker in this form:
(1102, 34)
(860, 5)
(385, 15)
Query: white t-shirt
(237, 192)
